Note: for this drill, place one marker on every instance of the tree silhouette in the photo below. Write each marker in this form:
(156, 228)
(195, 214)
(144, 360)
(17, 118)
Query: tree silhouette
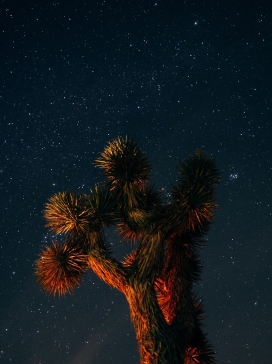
(157, 278)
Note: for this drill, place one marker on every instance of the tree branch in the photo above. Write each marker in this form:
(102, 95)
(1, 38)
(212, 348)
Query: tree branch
(103, 264)
(149, 257)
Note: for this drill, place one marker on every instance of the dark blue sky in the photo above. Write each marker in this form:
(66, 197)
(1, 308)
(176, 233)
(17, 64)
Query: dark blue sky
(177, 76)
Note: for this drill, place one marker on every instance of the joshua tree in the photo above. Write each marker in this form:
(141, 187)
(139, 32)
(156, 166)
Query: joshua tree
(157, 278)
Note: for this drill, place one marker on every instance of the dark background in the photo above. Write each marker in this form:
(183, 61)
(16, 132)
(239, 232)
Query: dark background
(177, 76)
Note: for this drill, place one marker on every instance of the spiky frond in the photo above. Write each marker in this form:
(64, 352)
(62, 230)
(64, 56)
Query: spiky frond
(183, 259)
(66, 212)
(127, 233)
(125, 165)
(138, 220)
(61, 267)
(153, 197)
(102, 208)
(201, 352)
(199, 169)
(191, 356)
(129, 259)
(193, 200)
(184, 218)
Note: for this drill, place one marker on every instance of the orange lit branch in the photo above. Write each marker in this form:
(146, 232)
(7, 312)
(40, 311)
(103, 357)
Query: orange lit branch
(103, 264)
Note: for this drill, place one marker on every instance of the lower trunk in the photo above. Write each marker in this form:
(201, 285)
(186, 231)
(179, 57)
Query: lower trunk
(157, 342)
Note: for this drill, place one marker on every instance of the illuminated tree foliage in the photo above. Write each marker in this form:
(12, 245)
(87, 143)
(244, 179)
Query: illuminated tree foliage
(157, 278)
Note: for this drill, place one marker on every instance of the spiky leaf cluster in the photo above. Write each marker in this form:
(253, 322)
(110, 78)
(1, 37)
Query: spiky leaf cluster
(193, 199)
(66, 212)
(135, 223)
(199, 170)
(102, 208)
(61, 267)
(123, 162)
(127, 169)
(201, 352)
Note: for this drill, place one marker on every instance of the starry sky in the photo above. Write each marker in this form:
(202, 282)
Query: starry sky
(176, 75)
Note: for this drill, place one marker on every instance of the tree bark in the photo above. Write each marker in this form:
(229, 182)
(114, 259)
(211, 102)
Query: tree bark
(157, 342)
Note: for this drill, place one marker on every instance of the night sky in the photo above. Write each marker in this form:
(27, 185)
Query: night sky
(176, 76)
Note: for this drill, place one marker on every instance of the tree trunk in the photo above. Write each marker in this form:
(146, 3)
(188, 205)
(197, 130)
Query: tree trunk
(157, 342)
